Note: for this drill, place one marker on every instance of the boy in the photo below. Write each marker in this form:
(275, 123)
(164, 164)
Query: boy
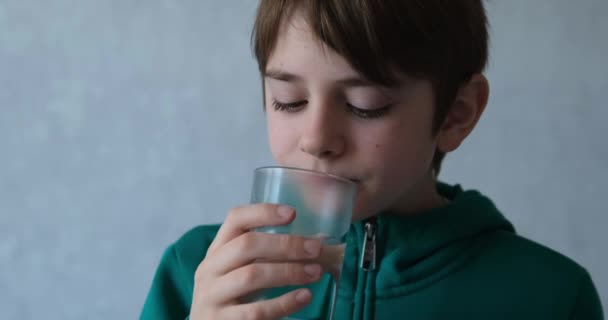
(377, 92)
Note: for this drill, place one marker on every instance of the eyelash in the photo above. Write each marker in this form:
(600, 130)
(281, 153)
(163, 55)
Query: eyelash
(358, 112)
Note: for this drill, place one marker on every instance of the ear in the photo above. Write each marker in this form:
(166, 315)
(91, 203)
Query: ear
(470, 102)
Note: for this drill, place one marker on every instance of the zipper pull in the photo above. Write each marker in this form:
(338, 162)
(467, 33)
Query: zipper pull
(368, 253)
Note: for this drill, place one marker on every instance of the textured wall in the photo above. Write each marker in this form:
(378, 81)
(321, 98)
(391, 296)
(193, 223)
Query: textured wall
(123, 123)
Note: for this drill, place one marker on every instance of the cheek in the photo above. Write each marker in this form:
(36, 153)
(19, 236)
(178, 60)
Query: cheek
(281, 138)
(398, 151)
(411, 158)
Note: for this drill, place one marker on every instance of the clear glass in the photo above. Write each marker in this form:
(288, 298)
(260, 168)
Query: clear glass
(324, 205)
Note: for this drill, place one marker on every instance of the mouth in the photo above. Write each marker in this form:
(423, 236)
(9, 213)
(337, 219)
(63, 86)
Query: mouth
(357, 181)
(345, 177)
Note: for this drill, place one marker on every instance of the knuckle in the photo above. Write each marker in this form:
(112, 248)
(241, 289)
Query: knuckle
(247, 242)
(268, 210)
(286, 244)
(249, 274)
(199, 272)
(232, 214)
(198, 275)
(255, 314)
(290, 272)
(284, 305)
(211, 315)
(267, 206)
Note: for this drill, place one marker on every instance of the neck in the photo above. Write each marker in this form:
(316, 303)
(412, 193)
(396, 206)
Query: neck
(422, 197)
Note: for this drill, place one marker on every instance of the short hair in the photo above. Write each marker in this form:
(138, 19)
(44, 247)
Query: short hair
(443, 41)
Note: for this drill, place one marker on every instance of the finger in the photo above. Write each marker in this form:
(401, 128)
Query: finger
(256, 276)
(276, 308)
(257, 246)
(242, 219)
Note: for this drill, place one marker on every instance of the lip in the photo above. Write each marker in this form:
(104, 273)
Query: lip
(343, 177)
(319, 173)
(322, 174)
(359, 184)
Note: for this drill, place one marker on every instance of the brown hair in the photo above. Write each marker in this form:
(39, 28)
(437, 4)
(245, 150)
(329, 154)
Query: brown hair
(443, 41)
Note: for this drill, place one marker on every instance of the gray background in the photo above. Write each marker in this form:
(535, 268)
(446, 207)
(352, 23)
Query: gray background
(124, 123)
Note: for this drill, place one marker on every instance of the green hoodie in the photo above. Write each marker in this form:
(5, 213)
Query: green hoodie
(460, 261)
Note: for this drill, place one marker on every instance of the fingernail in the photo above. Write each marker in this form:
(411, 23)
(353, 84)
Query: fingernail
(312, 270)
(312, 247)
(285, 211)
(303, 295)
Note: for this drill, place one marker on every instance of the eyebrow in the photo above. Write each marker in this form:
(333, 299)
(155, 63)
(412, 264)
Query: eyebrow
(290, 77)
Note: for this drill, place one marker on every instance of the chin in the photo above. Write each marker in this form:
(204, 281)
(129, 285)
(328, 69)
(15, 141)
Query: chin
(362, 209)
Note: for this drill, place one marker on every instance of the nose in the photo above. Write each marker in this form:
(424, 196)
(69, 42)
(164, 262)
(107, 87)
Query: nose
(322, 135)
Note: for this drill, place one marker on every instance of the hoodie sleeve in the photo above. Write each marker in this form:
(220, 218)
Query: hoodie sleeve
(170, 295)
(587, 305)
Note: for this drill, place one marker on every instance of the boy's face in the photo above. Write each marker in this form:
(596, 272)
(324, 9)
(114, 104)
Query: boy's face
(322, 115)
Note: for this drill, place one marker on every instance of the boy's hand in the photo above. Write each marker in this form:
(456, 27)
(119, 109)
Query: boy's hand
(237, 264)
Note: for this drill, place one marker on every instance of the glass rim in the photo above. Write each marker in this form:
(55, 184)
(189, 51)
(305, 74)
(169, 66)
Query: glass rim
(318, 173)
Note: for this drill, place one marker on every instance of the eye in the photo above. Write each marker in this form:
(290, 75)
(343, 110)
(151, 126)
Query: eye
(368, 113)
(289, 107)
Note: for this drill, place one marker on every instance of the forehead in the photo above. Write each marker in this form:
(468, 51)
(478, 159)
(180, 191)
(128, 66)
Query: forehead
(298, 50)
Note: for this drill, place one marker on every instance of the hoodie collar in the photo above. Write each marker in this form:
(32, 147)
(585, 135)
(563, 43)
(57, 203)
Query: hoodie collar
(414, 248)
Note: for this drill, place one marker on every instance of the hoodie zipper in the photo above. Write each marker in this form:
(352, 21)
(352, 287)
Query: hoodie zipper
(366, 278)
(368, 251)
